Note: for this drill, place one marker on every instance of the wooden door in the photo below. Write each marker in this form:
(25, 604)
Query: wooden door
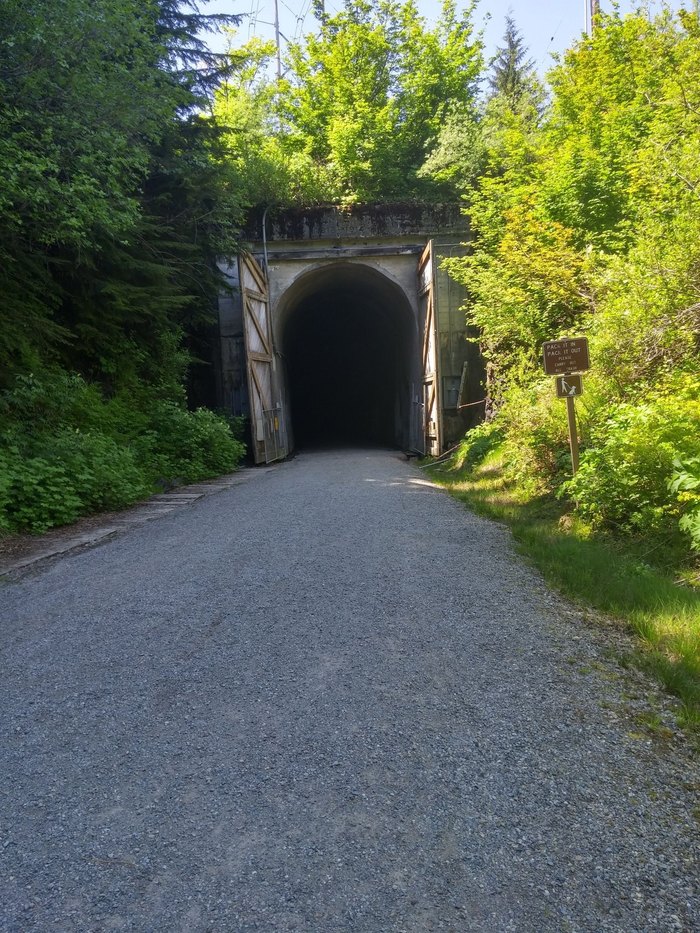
(266, 414)
(432, 440)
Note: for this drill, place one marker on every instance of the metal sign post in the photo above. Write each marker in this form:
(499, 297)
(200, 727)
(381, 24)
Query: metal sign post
(564, 359)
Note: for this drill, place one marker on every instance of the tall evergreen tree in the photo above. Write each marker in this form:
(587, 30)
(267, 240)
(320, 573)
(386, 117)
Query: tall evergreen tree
(473, 145)
(109, 179)
(512, 72)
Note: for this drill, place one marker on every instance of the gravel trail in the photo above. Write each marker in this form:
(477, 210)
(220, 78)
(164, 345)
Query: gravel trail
(328, 700)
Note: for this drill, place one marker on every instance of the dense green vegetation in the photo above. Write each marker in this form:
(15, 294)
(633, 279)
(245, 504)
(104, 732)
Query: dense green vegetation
(69, 450)
(588, 222)
(360, 103)
(115, 203)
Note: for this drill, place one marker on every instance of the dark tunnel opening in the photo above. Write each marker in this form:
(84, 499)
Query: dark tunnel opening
(347, 346)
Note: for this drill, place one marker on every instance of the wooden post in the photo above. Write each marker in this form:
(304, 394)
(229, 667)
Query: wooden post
(566, 359)
(573, 435)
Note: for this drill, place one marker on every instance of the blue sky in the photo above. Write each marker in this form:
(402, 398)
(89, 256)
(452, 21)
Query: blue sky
(547, 25)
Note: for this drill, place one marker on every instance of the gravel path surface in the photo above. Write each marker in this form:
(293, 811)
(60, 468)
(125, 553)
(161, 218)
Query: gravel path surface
(328, 700)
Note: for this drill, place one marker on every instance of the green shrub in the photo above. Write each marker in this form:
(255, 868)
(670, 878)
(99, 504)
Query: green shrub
(190, 446)
(221, 452)
(104, 474)
(41, 494)
(685, 484)
(67, 451)
(478, 444)
(624, 476)
(46, 400)
(536, 446)
(69, 474)
(5, 490)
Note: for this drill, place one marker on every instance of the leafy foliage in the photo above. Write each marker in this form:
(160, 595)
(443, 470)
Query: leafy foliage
(265, 170)
(478, 145)
(588, 221)
(624, 475)
(685, 483)
(69, 452)
(359, 104)
(114, 208)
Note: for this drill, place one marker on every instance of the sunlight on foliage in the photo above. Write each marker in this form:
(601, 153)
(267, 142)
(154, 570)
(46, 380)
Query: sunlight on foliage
(359, 103)
(587, 221)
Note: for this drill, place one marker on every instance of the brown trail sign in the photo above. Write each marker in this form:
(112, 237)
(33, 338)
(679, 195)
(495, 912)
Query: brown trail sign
(563, 358)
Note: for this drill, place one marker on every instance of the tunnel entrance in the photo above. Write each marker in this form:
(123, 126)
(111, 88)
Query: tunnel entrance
(347, 344)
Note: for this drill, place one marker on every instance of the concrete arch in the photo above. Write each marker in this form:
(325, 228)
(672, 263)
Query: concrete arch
(362, 316)
(347, 335)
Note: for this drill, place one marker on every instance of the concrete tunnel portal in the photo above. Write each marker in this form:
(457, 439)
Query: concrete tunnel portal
(349, 346)
(341, 326)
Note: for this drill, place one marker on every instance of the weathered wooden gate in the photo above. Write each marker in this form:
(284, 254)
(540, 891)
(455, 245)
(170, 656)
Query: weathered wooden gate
(431, 427)
(268, 422)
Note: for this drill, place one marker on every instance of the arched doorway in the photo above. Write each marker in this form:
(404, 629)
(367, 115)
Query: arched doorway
(348, 340)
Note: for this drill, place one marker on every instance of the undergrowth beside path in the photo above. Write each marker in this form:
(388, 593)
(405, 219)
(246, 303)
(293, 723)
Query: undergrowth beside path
(69, 450)
(623, 578)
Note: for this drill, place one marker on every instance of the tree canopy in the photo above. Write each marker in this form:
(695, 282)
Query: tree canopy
(114, 207)
(100, 139)
(362, 100)
(587, 220)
